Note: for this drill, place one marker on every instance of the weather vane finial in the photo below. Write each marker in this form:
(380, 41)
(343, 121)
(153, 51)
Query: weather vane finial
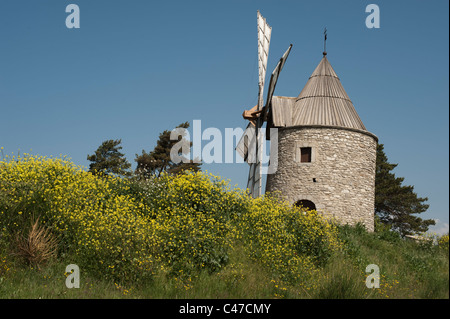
(325, 42)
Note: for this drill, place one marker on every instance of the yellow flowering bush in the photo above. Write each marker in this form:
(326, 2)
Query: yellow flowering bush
(116, 226)
(5, 268)
(290, 241)
(193, 220)
(105, 232)
(443, 243)
(129, 229)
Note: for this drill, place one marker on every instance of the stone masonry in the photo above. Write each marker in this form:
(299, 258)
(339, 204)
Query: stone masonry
(339, 180)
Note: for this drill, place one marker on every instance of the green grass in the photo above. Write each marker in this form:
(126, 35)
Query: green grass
(407, 269)
(190, 236)
(234, 281)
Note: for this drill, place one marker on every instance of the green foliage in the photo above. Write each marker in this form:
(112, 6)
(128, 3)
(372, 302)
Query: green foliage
(186, 223)
(192, 235)
(342, 281)
(159, 160)
(289, 241)
(385, 232)
(193, 220)
(407, 269)
(108, 160)
(443, 243)
(106, 232)
(396, 204)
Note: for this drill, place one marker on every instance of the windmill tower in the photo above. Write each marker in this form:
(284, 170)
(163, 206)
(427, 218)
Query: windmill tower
(326, 156)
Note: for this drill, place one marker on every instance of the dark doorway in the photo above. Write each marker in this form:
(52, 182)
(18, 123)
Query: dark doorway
(306, 204)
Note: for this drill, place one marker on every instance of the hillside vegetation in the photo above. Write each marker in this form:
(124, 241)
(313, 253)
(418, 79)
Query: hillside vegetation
(189, 236)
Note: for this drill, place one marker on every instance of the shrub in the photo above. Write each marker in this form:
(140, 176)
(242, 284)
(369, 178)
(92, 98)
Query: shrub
(36, 247)
(288, 240)
(443, 243)
(5, 267)
(122, 228)
(193, 220)
(127, 229)
(105, 232)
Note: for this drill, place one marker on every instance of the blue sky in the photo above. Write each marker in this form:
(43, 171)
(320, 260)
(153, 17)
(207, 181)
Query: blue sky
(136, 68)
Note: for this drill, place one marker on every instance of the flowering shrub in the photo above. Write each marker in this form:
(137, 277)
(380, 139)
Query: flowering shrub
(105, 231)
(443, 242)
(128, 229)
(193, 217)
(290, 241)
(4, 267)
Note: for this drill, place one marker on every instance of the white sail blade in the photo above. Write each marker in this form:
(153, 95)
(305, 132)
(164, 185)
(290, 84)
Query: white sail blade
(246, 146)
(264, 34)
(251, 149)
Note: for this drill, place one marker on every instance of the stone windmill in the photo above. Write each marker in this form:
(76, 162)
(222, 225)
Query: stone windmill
(326, 157)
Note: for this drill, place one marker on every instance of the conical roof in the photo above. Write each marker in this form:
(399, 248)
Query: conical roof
(323, 101)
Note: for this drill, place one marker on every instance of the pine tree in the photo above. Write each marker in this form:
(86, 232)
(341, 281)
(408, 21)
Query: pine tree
(159, 160)
(108, 159)
(396, 204)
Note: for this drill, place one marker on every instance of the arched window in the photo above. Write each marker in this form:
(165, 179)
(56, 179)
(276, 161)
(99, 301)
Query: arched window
(306, 204)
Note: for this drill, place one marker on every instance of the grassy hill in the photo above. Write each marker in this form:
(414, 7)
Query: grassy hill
(190, 236)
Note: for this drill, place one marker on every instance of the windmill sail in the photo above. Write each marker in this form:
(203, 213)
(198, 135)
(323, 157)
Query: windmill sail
(274, 80)
(255, 175)
(248, 140)
(247, 143)
(254, 183)
(264, 34)
(250, 145)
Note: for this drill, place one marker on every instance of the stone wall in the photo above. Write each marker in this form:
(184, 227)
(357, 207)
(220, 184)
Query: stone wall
(340, 180)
